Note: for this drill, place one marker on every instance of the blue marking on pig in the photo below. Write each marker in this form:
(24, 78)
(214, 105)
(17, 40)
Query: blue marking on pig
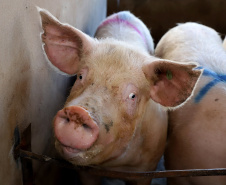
(216, 79)
(124, 15)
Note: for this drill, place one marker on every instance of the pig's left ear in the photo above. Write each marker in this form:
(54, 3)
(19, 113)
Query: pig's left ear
(171, 83)
(64, 45)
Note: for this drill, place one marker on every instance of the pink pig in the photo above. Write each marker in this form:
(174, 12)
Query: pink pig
(115, 115)
(196, 138)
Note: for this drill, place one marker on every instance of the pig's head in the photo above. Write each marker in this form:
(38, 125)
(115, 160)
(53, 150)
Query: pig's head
(114, 84)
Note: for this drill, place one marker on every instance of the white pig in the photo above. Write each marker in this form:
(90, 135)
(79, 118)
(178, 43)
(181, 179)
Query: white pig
(110, 118)
(197, 130)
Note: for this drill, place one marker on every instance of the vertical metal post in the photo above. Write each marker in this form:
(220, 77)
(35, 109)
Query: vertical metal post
(23, 141)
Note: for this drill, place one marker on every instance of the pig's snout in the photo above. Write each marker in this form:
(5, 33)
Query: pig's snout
(75, 129)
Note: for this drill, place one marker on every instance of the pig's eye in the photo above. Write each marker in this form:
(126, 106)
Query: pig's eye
(80, 77)
(132, 96)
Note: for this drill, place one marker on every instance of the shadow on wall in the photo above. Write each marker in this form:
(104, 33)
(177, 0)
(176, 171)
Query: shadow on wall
(162, 15)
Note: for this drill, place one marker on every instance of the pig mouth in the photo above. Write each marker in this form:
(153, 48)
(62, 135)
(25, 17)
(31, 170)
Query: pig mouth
(67, 152)
(70, 153)
(77, 156)
(68, 149)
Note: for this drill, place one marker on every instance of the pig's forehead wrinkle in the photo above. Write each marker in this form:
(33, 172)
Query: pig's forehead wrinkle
(115, 83)
(116, 55)
(116, 65)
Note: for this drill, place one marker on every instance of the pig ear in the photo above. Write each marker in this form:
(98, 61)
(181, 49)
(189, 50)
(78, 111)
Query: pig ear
(171, 83)
(63, 44)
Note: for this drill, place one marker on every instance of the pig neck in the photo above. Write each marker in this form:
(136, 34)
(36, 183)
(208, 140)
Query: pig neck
(124, 30)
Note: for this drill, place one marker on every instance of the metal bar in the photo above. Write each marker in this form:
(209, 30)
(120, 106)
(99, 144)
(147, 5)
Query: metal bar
(44, 158)
(125, 175)
(23, 141)
(160, 174)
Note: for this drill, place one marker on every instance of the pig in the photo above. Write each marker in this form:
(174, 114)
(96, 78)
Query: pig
(197, 137)
(116, 114)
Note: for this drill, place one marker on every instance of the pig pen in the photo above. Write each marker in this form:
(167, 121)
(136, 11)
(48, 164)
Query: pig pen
(159, 16)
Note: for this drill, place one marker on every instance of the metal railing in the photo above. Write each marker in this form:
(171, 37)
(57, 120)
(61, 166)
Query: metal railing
(22, 145)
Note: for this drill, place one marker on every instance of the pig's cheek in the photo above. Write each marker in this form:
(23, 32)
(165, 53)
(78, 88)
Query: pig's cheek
(77, 85)
(106, 138)
(131, 106)
(73, 88)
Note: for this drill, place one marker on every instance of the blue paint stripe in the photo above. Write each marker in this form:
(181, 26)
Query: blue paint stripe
(222, 78)
(216, 78)
(205, 89)
(124, 15)
(208, 72)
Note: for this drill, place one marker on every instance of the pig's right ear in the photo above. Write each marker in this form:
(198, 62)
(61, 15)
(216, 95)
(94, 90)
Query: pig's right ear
(63, 44)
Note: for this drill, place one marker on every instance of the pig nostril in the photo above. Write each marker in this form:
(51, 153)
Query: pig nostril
(85, 126)
(67, 119)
